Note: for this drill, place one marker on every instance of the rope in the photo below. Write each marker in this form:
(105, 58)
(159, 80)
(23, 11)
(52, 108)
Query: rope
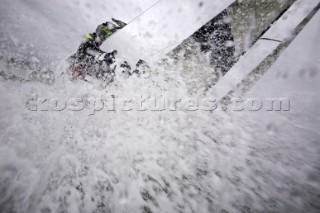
(144, 12)
(137, 17)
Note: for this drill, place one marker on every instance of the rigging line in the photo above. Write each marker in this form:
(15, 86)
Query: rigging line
(145, 11)
(160, 51)
(137, 17)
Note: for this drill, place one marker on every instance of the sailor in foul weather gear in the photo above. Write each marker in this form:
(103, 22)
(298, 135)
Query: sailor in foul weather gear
(89, 51)
(105, 30)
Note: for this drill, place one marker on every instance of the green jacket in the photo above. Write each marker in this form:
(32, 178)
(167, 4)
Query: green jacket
(104, 32)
